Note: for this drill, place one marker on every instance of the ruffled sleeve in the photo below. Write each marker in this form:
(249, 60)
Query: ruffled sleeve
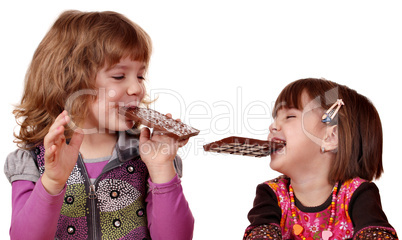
(270, 231)
(375, 233)
(20, 165)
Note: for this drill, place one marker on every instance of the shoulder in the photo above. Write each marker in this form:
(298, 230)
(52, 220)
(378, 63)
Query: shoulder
(365, 207)
(365, 192)
(266, 207)
(357, 189)
(20, 165)
(272, 189)
(279, 184)
(367, 187)
(352, 185)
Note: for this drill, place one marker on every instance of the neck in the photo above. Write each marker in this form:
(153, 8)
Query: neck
(312, 192)
(98, 145)
(310, 181)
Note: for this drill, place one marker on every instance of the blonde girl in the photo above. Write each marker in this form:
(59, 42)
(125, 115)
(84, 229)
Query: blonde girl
(80, 171)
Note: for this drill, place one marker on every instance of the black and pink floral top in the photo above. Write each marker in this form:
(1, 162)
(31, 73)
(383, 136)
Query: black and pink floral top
(358, 213)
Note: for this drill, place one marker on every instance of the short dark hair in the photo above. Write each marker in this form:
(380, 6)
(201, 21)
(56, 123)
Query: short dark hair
(359, 126)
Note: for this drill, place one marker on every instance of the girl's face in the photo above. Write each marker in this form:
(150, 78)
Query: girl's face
(300, 129)
(119, 86)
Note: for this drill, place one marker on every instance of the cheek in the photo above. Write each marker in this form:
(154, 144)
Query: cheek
(95, 107)
(314, 132)
(113, 98)
(312, 123)
(142, 93)
(112, 95)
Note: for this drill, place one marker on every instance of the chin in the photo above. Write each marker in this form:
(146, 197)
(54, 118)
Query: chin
(122, 126)
(273, 165)
(276, 162)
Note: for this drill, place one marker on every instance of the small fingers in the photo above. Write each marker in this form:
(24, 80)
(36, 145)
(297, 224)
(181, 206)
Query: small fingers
(77, 138)
(62, 115)
(61, 120)
(145, 135)
(170, 116)
(183, 142)
(52, 142)
(54, 136)
(57, 128)
(158, 133)
(49, 153)
(159, 137)
(60, 138)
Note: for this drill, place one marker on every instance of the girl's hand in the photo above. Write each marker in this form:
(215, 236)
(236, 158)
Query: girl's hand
(158, 152)
(60, 157)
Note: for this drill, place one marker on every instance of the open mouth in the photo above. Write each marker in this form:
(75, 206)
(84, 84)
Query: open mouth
(278, 146)
(278, 150)
(124, 110)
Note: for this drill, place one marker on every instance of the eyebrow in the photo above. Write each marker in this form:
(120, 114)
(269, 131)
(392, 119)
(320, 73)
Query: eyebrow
(124, 67)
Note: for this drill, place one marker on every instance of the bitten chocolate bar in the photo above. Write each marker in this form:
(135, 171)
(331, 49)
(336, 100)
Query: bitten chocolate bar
(160, 122)
(245, 146)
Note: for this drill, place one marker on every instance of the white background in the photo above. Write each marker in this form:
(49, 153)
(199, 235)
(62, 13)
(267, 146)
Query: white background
(219, 66)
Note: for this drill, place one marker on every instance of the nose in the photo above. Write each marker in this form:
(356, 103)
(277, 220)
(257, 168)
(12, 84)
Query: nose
(135, 87)
(273, 127)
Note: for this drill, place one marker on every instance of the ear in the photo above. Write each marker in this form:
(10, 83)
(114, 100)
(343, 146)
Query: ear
(330, 140)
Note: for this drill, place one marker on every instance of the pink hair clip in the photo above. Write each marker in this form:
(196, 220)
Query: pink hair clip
(331, 112)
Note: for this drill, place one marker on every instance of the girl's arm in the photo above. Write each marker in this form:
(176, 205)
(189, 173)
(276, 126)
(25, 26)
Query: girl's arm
(60, 157)
(367, 215)
(34, 211)
(36, 207)
(169, 215)
(265, 216)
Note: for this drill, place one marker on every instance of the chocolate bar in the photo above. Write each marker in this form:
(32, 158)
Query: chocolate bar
(245, 146)
(160, 122)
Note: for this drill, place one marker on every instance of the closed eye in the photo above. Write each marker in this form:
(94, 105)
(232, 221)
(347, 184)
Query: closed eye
(120, 77)
(290, 116)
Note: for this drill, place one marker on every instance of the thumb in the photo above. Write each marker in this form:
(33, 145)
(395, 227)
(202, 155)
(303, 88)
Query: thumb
(77, 138)
(145, 135)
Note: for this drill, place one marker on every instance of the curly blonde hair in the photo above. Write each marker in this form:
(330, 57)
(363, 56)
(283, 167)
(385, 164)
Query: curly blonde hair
(76, 47)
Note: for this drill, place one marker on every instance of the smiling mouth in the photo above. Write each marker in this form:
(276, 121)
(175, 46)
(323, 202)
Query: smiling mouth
(278, 146)
(278, 151)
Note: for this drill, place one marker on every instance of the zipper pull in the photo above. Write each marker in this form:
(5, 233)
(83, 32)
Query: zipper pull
(92, 193)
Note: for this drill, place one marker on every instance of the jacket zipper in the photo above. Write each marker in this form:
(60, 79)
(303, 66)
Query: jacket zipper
(93, 207)
(92, 192)
(92, 196)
